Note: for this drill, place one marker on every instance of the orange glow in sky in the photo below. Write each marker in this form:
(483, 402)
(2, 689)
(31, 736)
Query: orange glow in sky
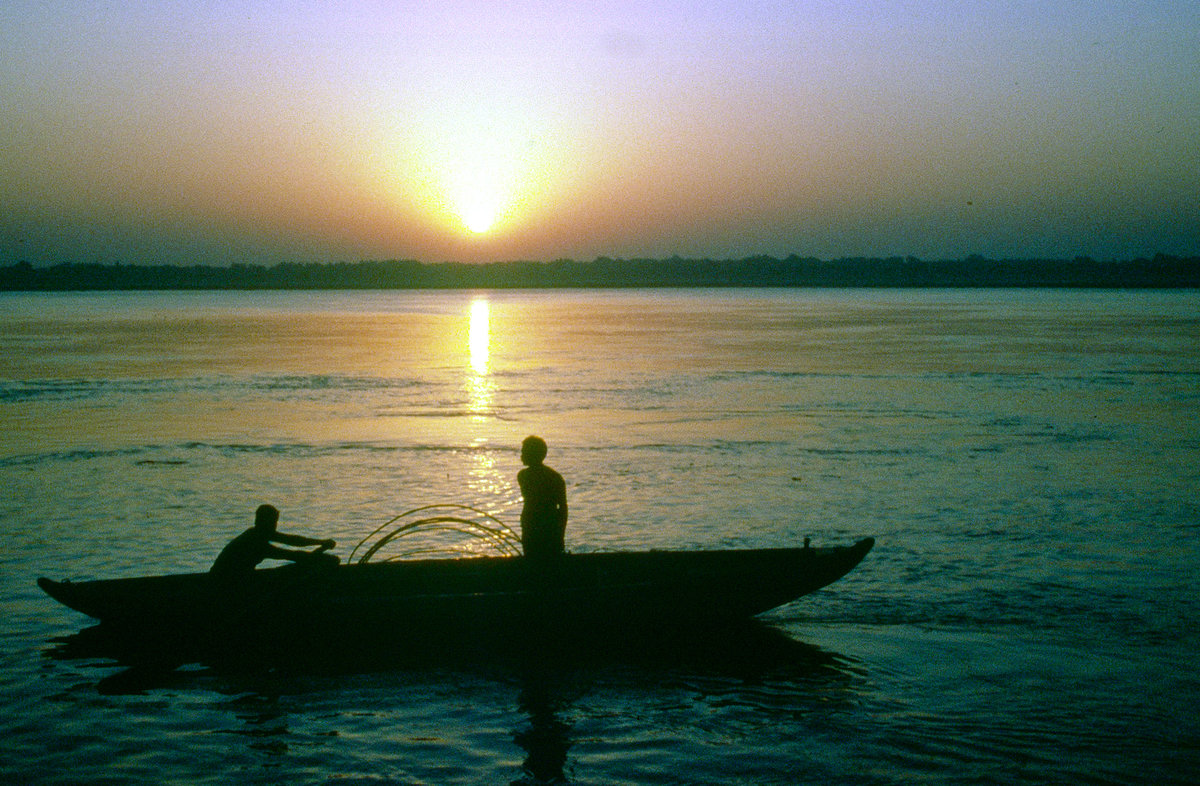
(251, 132)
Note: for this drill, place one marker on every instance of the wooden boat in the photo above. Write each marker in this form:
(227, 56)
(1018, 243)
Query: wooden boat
(472, 594)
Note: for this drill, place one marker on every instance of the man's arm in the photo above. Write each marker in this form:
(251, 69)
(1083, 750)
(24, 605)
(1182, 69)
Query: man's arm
(302, 557)
(300, 540)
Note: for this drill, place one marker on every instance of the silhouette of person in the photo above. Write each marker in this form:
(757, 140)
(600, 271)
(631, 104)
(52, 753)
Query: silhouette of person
(548, 738)
(544, 514)
(243, 553)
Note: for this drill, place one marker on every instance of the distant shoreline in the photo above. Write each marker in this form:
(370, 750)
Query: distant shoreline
(1160, 272)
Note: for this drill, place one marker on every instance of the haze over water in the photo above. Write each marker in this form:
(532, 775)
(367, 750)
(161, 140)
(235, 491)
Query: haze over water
(1027, 460)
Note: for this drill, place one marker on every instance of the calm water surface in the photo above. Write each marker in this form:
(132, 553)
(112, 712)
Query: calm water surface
(1028, 461)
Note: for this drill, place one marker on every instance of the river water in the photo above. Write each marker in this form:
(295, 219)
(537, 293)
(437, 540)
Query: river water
(1028, 461)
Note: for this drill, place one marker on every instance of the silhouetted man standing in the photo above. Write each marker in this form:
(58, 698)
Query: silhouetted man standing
(544, 515)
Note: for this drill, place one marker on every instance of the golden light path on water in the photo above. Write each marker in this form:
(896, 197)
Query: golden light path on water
(480, 387)
(479, 335)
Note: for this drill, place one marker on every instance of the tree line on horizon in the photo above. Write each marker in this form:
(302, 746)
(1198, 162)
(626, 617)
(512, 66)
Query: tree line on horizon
(1161, 271)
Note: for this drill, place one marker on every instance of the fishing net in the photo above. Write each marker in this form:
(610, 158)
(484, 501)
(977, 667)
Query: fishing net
(438, 531)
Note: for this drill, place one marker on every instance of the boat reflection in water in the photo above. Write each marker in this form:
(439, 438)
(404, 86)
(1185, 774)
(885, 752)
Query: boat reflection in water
(549, 668)
(544, 686)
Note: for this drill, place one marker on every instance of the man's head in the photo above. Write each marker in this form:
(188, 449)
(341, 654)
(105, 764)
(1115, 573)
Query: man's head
(266, 517)
(533, 451)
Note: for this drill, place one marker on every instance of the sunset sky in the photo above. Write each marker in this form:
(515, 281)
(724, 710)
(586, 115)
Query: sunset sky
(216, 131)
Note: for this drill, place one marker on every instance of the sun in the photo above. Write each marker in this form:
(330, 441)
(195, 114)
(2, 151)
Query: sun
(478, 166)
(480, 192)
(477, 215)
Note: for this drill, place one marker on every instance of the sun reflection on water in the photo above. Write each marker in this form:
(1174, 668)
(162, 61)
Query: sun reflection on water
(480, 385)
(485, 483)
(479, 335)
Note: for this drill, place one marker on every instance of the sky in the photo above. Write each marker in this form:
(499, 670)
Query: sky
(217, 132)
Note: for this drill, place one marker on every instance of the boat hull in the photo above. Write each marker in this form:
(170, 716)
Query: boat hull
(472, 594)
